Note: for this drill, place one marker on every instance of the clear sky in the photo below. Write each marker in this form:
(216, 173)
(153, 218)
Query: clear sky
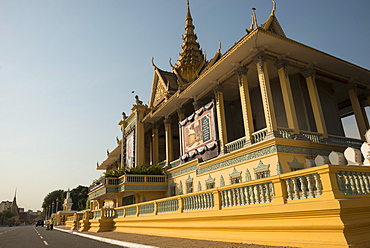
(67, 69)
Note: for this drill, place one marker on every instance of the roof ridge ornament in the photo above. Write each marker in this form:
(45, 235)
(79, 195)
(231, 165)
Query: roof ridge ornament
(273, 8)
(219, 46)
(153, 63)
(254, 23)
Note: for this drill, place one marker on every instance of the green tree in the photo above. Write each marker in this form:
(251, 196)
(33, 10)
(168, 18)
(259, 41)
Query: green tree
(6, 217)
(51, 198)
(79, 197)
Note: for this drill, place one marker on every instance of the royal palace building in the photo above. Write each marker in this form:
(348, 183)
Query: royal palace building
(252, 147)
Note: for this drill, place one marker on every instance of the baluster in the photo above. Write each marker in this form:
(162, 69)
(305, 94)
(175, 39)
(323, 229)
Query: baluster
(361, 181)
(272, 190)
(222, 198)
(295, 188)
(340, 181)
(289, 189)
(302, 179)
(262, 193)
(242, 196)
(352, 183)
(257, 196)
(363, 174)
(226, 195)
(209, 200)
(229, 196)
(357, 185)
(246, 192)
(318, 184)
(347, 185)
(311, 193)
(235, 197)
(267, 189)
(251, 192)
(237, 200)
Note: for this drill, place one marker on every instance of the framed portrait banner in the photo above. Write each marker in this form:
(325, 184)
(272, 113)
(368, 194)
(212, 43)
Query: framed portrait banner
(130, 149)
(198, 132)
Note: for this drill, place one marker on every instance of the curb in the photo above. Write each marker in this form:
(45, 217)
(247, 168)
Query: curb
(106, 240)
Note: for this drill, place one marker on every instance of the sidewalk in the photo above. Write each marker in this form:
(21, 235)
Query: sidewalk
(131, 240)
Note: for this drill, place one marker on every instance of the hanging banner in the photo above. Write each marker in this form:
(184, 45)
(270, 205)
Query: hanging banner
(198, 133)
(130, 148)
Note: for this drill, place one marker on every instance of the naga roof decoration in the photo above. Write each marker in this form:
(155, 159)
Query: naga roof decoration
(272, 24)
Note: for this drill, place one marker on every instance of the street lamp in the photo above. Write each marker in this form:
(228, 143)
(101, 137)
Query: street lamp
(56, 212)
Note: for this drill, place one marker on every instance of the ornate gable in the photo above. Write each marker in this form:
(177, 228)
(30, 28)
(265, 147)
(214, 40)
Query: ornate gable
(163, 87)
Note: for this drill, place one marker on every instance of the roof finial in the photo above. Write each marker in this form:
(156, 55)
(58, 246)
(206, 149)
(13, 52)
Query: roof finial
(153, 62)
(170, 61)
(273, 7)
(254, 23)
(219, 46)
(188, 15)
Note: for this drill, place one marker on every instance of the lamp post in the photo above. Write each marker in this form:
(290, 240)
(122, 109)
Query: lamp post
(56, 211)
(49, 212)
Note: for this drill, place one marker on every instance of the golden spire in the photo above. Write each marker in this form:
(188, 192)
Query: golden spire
(191, 56)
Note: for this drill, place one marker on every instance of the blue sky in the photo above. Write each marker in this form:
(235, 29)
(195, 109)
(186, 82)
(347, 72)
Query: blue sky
(67, 69)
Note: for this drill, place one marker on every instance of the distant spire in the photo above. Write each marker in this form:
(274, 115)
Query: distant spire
(15, 196)
(191, 56)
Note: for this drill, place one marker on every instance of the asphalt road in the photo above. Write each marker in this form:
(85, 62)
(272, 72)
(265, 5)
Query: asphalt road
(39, 237)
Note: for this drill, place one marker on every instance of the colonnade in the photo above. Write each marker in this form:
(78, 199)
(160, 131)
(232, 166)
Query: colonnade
(260, 61)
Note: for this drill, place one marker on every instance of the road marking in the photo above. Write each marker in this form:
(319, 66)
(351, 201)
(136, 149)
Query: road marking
(110, 241)
(46, 243)
(41, 237)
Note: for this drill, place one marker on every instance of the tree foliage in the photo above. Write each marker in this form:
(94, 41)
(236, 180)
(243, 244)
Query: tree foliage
(79, 197)
(6, 217)
(147, 170)
(52, 197)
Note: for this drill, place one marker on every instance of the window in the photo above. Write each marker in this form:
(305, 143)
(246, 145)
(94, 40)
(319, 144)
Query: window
(210, 185)
(262, 170)
(210, 182)
(236, 179)
(262, 174)
(189, 187)
(173, 189)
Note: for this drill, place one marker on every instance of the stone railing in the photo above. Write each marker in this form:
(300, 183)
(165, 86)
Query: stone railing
(100, 183)
(353, 182)
(303, 187)
(259, 135)
(247, 195)
(106, 184)
(198, 201)
(312, 136)
(322, 182)
(235, 145)
(344, 141)
(165, 206)
(108, 213)
(175, 163)
(285, 133)
(163, 163)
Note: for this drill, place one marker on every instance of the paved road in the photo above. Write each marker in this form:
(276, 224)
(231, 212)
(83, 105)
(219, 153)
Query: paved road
(38, 237)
